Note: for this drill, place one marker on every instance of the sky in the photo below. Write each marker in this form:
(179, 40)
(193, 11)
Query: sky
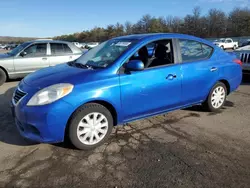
(48, 18)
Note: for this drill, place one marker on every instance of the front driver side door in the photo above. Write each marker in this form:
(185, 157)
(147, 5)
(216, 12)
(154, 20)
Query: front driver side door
(35, 58)
(151, 91)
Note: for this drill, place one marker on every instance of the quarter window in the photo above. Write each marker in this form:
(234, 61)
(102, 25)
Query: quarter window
(60, 49)
(194, 51)
(207, 51)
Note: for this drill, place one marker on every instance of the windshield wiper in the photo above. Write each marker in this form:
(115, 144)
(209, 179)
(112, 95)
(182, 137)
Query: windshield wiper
(79, 65)
(84, 66)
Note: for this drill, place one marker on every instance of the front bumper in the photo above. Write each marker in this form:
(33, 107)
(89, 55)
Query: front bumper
(44, 124)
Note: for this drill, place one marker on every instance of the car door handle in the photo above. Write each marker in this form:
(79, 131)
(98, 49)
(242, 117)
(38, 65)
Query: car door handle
(44, 58)
(171, 76)
(213, 69)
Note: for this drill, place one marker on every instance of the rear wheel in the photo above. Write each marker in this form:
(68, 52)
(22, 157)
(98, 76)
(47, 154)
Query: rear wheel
(222, 47)
(3, 77)
(216, 98)
(90, 126)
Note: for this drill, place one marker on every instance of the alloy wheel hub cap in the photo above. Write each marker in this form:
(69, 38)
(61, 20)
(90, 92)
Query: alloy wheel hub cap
(218, 97)
(92, 128)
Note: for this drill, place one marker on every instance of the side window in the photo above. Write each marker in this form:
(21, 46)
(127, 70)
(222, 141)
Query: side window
(59, 49)
(228, 41)
(67, 49)
(193, 51)
(155, 54)
(36, 50)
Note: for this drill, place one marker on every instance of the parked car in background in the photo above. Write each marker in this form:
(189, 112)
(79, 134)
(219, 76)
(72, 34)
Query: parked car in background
(110, 85)
(2, 46)
(91, 45)
(226, 43)
(10, 46)
(245, 46)
(244, 55)
(77, 44)
(244, 42)
(83, 44)
(33, 55)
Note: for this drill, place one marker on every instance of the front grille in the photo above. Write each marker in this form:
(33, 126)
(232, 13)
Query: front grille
(245, 58)
(18, 95)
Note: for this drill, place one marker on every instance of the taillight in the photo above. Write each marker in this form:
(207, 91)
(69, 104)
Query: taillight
(238, 61)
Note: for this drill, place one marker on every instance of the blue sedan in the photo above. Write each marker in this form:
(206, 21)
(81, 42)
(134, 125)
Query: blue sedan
(122, 80)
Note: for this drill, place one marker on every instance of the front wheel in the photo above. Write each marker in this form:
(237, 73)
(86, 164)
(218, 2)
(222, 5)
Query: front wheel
(216, 98)
(234, 48)
(90, 126)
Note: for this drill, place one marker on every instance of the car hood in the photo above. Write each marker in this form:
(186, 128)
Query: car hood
(3, 56)
(62, 73)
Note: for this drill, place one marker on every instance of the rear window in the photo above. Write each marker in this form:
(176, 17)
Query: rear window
(194, 51)
(59, 49)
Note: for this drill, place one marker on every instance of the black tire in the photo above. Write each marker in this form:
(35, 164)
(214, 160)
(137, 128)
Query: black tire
(79, 115)
(208, 103)
(234, 48)
(3, 77)
(222, 47)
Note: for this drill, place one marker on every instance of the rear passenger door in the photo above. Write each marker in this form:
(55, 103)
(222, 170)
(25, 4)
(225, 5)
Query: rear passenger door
(60, 53)
(199, 70)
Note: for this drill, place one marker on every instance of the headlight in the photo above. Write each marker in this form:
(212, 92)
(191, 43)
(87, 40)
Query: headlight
(50, 94)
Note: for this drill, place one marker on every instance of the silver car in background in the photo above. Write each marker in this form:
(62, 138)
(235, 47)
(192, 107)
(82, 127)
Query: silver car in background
(33, 55)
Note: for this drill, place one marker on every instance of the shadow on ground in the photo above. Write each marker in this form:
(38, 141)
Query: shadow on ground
(14, 80)
(8, 130)
(246, 79)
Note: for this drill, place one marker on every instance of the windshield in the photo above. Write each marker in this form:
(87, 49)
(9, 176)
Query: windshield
(19, 48)
(106, 53)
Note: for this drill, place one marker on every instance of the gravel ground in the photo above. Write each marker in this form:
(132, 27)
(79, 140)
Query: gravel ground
(185, 148)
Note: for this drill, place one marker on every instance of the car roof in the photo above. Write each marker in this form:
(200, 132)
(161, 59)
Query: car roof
(150, 36)
(47, 40)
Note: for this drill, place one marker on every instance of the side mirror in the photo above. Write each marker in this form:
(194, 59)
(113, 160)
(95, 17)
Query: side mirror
(23, 53)
(135, 65)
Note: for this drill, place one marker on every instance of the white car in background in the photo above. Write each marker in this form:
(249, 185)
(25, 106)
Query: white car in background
(34, 55)
(77, 44)
(226, 43)
(2, 46)
(92, 45)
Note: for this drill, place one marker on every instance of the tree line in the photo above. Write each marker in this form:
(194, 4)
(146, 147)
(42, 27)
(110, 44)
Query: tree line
(17, 40)
(214, 24)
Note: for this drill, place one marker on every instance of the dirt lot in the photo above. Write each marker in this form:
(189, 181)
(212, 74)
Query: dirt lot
(186, 148)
